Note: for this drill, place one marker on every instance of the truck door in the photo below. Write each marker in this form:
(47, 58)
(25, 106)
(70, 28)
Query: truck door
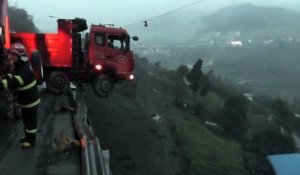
(107, 46)
(97, 50)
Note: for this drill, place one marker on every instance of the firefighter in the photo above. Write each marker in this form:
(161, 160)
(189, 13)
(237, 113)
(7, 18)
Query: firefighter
(25, 84)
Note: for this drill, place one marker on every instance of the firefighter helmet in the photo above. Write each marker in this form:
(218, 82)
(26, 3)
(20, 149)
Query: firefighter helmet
(20, 50)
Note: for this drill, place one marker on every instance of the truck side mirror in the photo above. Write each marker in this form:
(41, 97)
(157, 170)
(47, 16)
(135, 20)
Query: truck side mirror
(135, 38)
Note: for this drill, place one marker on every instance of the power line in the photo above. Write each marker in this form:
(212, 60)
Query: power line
(164, 14)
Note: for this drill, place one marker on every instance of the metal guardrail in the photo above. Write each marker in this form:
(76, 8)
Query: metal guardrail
(94, 160)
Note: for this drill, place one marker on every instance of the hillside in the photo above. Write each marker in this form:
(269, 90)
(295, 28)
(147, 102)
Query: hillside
(270, 40)
(254, 22)
(179, 144)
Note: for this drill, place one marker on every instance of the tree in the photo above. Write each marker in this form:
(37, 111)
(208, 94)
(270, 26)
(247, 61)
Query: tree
(199, 82)
(20, 20)
(284, 116)
(157, 64)
(234, 119)
(195, 75)
(262, 105)
(221, 86)
(183, 70)
(179, 87)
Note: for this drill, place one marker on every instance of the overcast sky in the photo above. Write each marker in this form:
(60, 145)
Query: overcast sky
(123, 12)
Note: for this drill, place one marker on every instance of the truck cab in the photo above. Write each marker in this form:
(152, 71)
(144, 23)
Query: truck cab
(108, 51)
(109, 48)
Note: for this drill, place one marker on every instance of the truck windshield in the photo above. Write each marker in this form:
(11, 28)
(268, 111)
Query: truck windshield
(117, 42)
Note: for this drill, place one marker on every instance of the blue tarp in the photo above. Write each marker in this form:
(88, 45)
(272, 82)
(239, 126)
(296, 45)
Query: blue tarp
(285, 164)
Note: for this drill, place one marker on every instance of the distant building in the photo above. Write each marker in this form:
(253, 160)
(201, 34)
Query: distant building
(236, 43)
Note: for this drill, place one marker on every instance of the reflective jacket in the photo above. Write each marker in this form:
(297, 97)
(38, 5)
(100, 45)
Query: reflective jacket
(24, 82)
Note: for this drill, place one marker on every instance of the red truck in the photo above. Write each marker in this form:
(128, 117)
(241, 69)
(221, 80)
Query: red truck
(101, 58)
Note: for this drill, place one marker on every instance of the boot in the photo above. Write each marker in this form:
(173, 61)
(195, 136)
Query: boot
(29, 140)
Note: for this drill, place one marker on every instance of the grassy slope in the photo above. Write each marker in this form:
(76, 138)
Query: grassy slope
(208, 153)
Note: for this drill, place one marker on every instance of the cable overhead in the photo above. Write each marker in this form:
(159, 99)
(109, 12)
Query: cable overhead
(164, 14)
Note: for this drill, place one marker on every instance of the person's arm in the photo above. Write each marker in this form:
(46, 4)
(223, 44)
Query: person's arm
(11, 82)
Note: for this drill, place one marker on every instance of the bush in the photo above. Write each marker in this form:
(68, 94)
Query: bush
(273, 142)
(234, 121)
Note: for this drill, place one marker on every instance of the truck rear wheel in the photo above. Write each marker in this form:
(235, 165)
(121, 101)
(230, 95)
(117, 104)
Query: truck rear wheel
(37, 66)
(58, 82)
(103, 85)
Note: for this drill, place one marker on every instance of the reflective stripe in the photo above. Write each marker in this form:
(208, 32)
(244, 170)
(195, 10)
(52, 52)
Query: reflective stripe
(27, 86)
(26, 144)
(31, 131)
(31, 104)
(19, 79)
(5, 85)
(10, 75)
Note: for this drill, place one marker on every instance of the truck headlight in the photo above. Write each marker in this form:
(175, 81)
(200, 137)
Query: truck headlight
(98, 67)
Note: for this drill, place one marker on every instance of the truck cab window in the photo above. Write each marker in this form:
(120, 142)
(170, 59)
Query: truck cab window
(99, 39)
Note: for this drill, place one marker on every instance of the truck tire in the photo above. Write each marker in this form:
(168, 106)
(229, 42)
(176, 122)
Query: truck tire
(103, 85)
(58, 82)
(37, 66)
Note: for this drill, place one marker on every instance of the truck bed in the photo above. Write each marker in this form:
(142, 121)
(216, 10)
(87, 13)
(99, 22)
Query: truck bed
(66, 143)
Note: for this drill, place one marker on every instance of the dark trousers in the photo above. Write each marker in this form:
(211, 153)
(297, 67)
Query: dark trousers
(29, 116)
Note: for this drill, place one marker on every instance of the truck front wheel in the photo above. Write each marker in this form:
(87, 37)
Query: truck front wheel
(58, 82)
(103, 85)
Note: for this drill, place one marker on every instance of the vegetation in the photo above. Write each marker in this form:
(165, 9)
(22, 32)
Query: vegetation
(273, 142)
(195, 76)
(207, 153)
(234, 119)
(246, 132)
(20, 20)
